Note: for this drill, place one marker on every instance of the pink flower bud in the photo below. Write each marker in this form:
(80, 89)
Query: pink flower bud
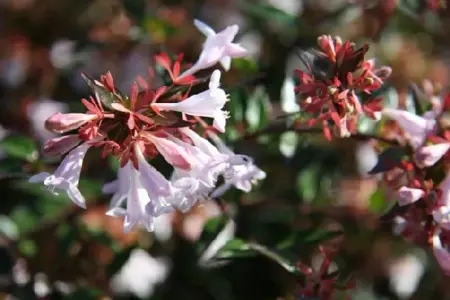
(429, 155)
(61, 145)
(408, 195)
(61, 123)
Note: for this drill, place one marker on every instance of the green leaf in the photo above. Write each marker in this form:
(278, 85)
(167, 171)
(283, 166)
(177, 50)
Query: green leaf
(258, 108)
(308, 183)
(28, 248)
(267, 12)
(106, 97)
(20, 147)
(389, 159)
(24, 218)
(235, 248)
(210, 231)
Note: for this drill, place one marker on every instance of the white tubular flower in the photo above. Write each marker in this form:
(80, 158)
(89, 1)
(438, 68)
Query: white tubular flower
(208, 104)
(218, 47)
(66, 176)
(137, 200)
(242, 173)
(146, 191)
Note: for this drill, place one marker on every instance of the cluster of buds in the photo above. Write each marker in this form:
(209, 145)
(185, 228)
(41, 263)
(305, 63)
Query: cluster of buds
(149, 122)
(334, 95)
(421, 178)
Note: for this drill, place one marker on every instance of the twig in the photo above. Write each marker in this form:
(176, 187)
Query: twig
(281, 127)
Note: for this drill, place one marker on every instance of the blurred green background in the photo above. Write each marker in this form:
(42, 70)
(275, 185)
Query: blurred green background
(316, 192)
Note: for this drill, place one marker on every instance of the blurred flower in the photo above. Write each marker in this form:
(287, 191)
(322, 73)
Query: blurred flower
(218, 47)
(140, 274)
(408, 195)
(415, 127)
(62, 54)
(405, 274)
(441, 254)
(427, 156)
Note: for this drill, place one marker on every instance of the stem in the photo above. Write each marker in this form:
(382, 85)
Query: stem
(280, 128)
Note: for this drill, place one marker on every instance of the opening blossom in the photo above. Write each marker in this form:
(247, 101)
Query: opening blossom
(138, 127)
(218, 47)
(208, 104)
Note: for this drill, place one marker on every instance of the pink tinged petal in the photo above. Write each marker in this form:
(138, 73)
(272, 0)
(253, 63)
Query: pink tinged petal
(442, 216)
(445, 188)
(226, 62)
(61, 145)
(429, 155)
(235, 50)
(152, 180)
(174, 154)
(441, 254)
(137, 200)
(408, 195)
(201, 142)
(416, 127)
(220, 121)
(67, 175)
(204, 28)
(214, 81)
(122, 186)
(62, 123)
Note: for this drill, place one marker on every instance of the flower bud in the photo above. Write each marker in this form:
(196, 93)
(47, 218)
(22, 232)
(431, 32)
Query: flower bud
(61, 145)
(408, 195)
(61, 123)
(427, 156)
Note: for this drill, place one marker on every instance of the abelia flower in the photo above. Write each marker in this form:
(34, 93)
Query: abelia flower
(407, 195)
(62, 123)
(415, 127)
(218, 47)
(61, 145)
(137, 199)
(141, 126)
(66, 176)
(207, 104)
(441, 254)
(427, 156)
(241, 176)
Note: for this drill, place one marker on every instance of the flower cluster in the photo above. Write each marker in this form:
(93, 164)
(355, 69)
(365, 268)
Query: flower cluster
(151, 122)
(423, 215)
(334, 93)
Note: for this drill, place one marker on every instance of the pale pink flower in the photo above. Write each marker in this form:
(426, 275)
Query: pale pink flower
(66, 176)
(208, 104)
(137, 200)
(441, 254)
(408, 195)
(242, 175)
(218, 47)
(62, 123)
(39, 111)
(61, 145)
(416, 128)
(174, 154)
(427, 156)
